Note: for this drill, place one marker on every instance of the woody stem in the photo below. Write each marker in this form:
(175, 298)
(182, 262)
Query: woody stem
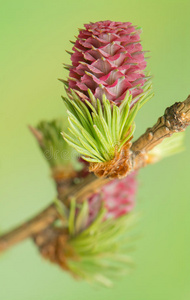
(175, 119)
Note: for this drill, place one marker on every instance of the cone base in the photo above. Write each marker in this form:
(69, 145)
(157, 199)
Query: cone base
(118, 167)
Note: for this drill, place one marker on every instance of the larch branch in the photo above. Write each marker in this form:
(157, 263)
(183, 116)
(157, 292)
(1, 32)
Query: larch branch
(175, 119)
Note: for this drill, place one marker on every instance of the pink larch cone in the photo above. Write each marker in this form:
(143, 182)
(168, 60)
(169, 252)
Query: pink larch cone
(118, 197)
(107, 63)
(107, 59)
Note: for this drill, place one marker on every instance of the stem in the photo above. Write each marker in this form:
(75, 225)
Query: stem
(175, 119)
(49, 215)
(34, 225)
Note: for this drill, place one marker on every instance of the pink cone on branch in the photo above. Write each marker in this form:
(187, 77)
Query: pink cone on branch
(107, 59)
(106, 87)
(118, 197)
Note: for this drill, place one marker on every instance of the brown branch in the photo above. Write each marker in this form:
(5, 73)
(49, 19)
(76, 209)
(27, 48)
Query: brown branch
(175, 119)
(49, 215)
(34, 225)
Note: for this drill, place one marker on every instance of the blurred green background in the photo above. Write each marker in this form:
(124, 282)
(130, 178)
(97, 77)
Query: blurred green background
(34, 36)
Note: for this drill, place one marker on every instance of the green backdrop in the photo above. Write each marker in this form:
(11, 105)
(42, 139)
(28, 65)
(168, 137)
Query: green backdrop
(34, 36)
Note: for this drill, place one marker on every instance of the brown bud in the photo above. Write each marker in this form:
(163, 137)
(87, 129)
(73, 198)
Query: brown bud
(118, 167)
(53, 246)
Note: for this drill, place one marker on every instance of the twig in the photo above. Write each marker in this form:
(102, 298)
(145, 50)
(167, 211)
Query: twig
(49, 215)
(34, 225)
(175, 119)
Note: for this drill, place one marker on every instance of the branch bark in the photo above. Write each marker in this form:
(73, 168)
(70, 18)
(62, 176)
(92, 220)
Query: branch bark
(175, 119)
(45, 218)
(34, 225)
